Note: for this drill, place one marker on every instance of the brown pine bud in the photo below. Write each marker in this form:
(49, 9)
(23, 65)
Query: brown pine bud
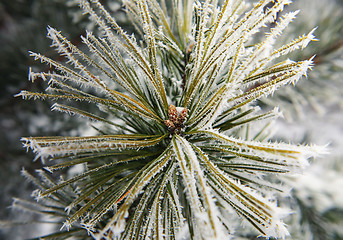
(172, 113)
(183, 115)
(169, 124)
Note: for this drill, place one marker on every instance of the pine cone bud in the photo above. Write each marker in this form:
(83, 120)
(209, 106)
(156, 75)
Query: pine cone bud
(172, 113)
(169, 124)
(183, 115)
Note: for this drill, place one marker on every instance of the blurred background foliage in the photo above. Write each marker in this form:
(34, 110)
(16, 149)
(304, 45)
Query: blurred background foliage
(312, 109)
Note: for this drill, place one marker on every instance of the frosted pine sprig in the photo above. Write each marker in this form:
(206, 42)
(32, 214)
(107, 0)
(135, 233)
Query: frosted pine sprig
(323, 84)
(168, 158)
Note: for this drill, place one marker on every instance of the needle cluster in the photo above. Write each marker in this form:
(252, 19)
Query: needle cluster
(156, 171)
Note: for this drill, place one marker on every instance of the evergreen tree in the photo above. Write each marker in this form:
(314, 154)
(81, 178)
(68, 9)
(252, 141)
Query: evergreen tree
(171, 106)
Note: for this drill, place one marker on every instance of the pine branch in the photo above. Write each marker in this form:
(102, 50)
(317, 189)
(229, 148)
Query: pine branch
(173, 165)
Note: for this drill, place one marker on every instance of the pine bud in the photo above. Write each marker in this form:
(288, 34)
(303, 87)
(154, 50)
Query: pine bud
(183, 115)
(172, 113)
(169, 124)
